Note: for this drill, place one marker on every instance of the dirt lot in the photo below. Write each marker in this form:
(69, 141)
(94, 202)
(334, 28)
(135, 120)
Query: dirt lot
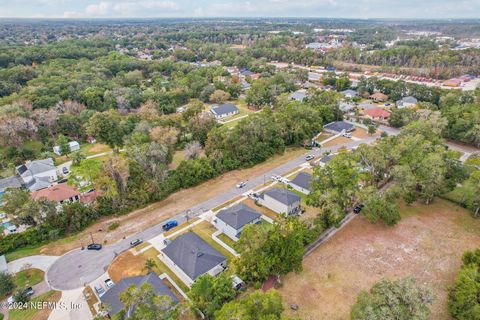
(337, 141)
(428, 243)
(162, 210)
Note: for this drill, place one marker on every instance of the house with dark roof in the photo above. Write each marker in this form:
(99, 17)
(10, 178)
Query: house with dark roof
(407, 102)
(302, 182)
(37, 174)
(324, 160)
(10, 183)
(190, 257)
(111, 298)
(224, 110)
(338, 127)
(231, 221)
(349, 93)
(281, 201)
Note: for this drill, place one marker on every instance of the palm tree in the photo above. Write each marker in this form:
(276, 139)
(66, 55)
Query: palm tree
(150, 264)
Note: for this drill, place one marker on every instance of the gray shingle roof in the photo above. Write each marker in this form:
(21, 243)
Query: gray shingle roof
(111, 297)
(283, 195)
(350, 92)
(326, 158)
(238, 216)
(10, 182)
(36, 167)
(38, 183)
(298, 95)
(225, 108)
(409, 99)
(338, 126)
(193, 255)
(302, 180)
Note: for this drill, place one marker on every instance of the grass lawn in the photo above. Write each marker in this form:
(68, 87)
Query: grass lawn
(22, 252)
(427, 243)
(91, 299)
(322, 137)
(205, 230)
(30, 314)
(28, 278)
(229, 242)
(142, 246)
(178, 156)
(336, 141)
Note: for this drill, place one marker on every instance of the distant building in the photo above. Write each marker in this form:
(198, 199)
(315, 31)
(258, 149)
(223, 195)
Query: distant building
(111, 298)
(281, 201)
(326, 159)
(232, 221)
(338, 127)
(345, 106)
(379, 97)
(350, 93)
(37, 174)
(313, 76)
(407, 102)
(302, 182)
(298, 95)
(224, 110)
(190, 257)
(73, 145)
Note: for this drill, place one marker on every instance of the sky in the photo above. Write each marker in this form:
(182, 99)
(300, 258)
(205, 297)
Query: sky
(415, 9)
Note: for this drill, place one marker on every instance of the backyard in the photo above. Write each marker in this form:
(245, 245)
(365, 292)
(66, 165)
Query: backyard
(363, 253)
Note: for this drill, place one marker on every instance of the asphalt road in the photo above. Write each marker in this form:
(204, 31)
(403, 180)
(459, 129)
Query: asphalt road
(79, 267)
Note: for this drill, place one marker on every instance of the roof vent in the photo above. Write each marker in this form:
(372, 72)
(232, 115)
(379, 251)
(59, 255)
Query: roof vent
(199, 254)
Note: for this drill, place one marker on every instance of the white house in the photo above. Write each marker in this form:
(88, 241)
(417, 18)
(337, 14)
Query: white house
(233, 220)
(37, 174)
(224, 110)
(281, 201)
(190, 257)
(301, 182)
(73, 145)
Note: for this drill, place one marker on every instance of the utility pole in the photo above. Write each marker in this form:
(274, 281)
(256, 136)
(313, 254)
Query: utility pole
(91, 236)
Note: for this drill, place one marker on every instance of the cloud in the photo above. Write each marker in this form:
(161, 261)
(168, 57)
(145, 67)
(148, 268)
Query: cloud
(100, 9)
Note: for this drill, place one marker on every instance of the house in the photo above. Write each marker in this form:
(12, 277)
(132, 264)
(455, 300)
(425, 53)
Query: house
(111, 298)
(59, 193)
(224, 110)
(190, 257)
(245, 85)
(378, 97)
(326, 159)
(301, 182)
(314, 76)
(13, 182)
(73, 145)
(338, 127)
(407, 102)
(345, 106)
(350, 93)
(298, 95)
(377, 114)
(37, 174)
(231, 221)
(281, 201)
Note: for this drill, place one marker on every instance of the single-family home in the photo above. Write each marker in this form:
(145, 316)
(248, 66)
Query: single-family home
(338, 127)
(302, 182)
(13, 182)
(111, 298)
(350, 93)
(298, 95)
(37, 174)
(407, 102)
(73, 146)
(280, 200)
(346, 106)
(60, 193)
(377, 114)
(325, 159)
(245, 85)
(190, 257)
(224, 110)
(378, 97)
(314, 76)
(231, 221)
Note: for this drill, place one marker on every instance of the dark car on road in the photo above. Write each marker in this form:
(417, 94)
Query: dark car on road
(135, 243)
(94, 246)
(358, 208)
(65, 170)
(29, 291)
(169, 225)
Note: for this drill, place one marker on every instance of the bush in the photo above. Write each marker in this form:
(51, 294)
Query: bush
(113, 226)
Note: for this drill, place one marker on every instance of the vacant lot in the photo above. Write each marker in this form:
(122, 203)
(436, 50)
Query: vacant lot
(428, 243)
(159, 211)
(337, 141)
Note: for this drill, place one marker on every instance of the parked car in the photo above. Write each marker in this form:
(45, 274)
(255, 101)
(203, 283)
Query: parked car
(169, 225)
(94, 246)
(100, 291)
(109, 283)
(29, 291)
(241, 184)
(358, 208)
(309, 157)
(65, 170)
(135, 242)
(347, 135)
(276, 177)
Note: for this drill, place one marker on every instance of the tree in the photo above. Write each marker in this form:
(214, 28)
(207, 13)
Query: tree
(107, 128)
(77, 158)
(371, 129)
(14, 199)
(380, 207)
(21, 296)
(6, 283)
(219, 96)
(192, 150)
(402, 299)
(464, 301)
(62, 143)
(164, 135)
(208, 294)
(149, 265)
(257, 305)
